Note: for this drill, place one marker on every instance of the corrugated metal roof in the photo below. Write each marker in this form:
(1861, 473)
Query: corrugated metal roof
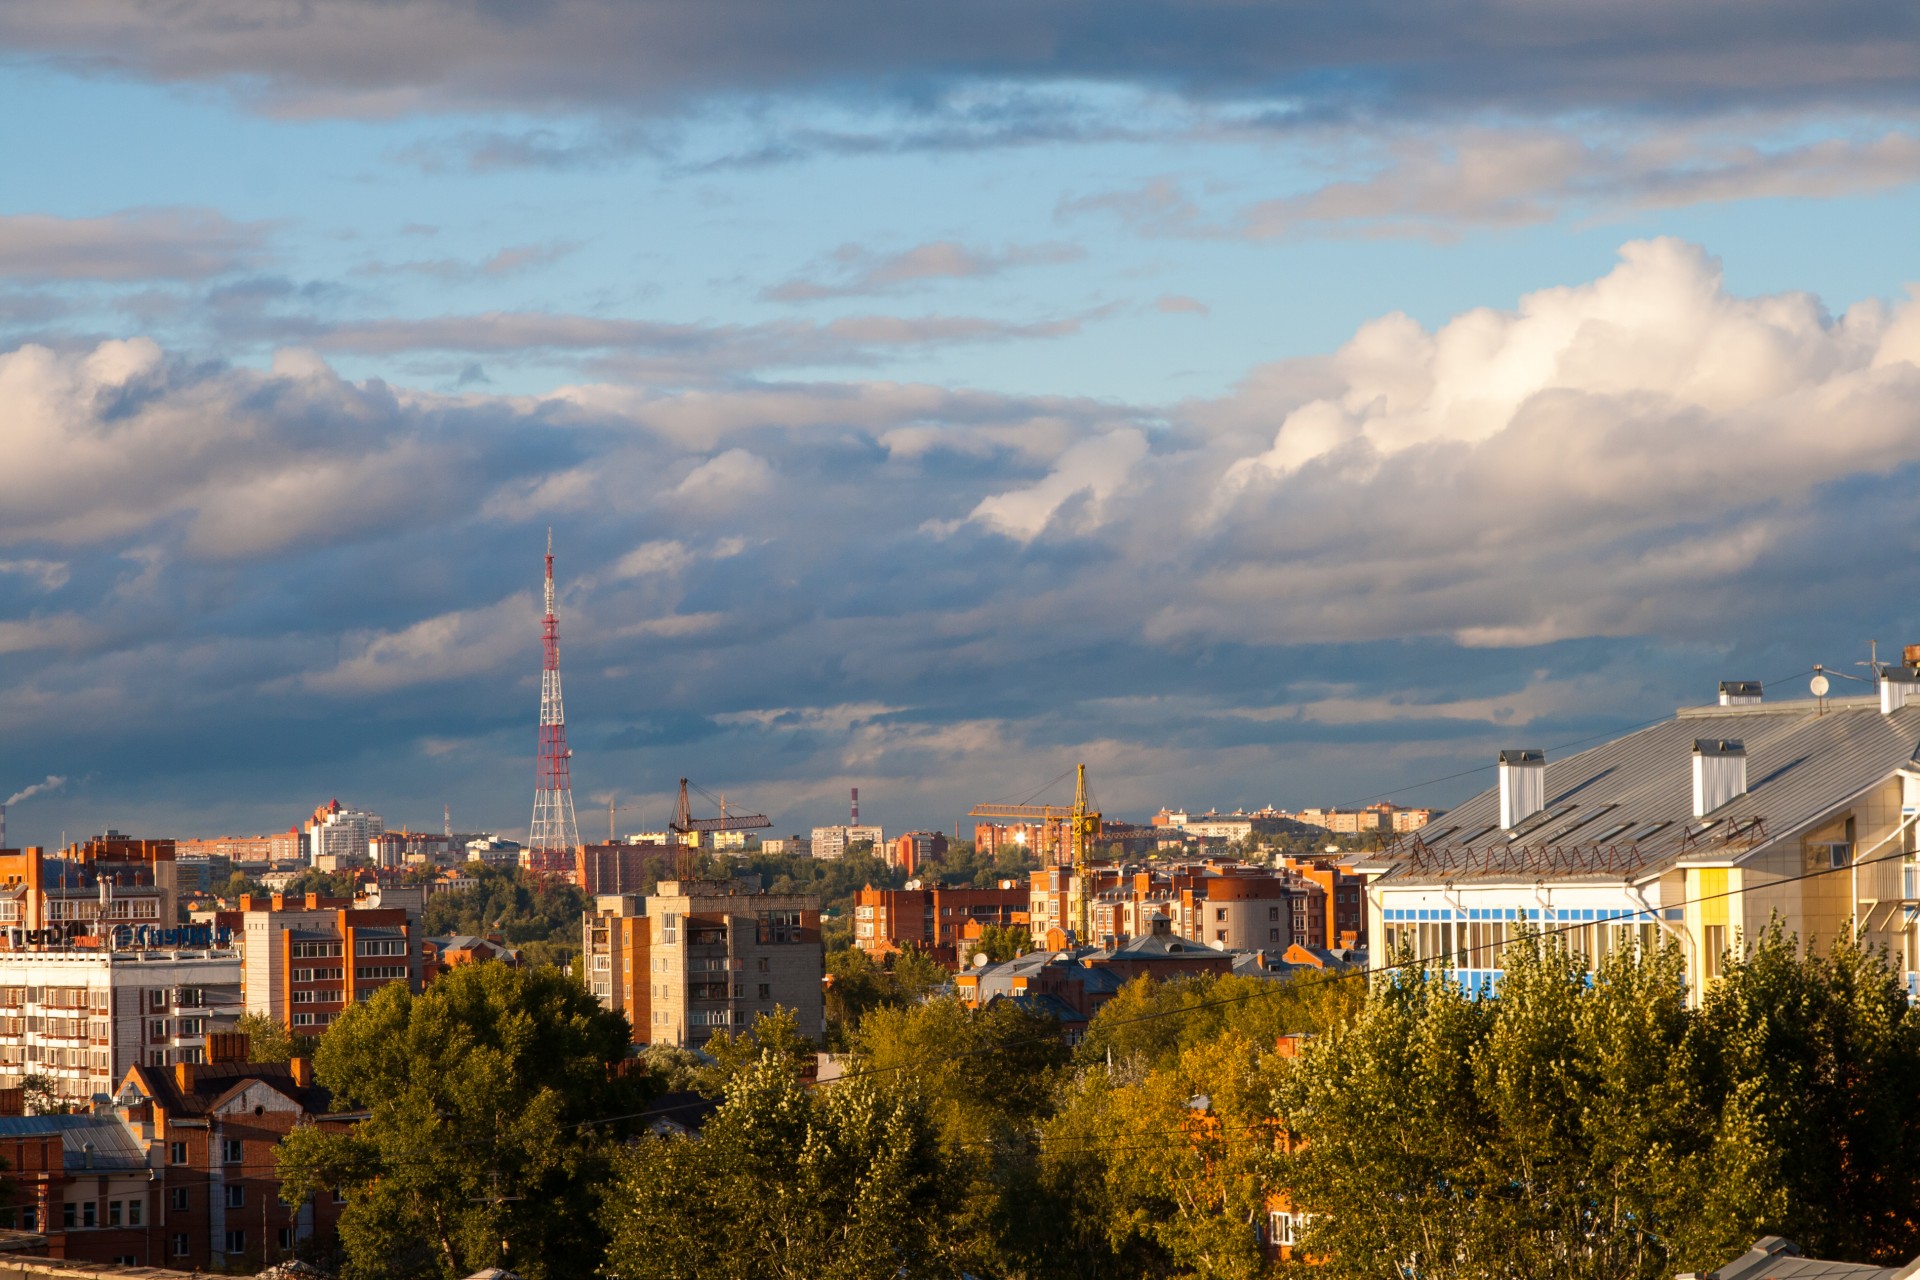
(114, 1144)
(1625, 808)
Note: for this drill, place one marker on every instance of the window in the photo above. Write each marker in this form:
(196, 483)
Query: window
(1280, 1228)
(779, 926)
(156, 999)
(1273, 913)
(1273, 935)
(1219, 913)
(232, 1151)
(179, 1199)
(189, 997)
(670, 926)
(377, 972)
(286, 1238)
(135, 1211)
(176, 1153)
(766, 991)
(236, 1242)
(761, 964)
(236, 1197)
(90, 1214)
(1713, 945)
(113, 1213)
(302, 1019)
(180, 1248)
(380, 947)
(69, 1215)
(339, 1196)
(1219, 935)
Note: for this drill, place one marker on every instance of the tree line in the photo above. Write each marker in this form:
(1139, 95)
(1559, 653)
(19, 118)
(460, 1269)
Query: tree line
(1580, 1123)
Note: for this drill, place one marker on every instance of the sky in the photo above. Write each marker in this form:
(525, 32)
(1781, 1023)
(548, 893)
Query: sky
(1263, 403)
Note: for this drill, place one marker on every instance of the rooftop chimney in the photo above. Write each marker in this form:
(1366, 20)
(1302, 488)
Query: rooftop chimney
(1739, 693)
(1719, 773)
(1523, 785)
(1898, 687)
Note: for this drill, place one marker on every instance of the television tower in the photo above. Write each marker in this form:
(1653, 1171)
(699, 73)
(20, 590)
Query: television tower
(553, 835)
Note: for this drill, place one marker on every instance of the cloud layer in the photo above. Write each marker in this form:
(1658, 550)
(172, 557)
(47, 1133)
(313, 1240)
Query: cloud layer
(1606, 494)
(395, 57)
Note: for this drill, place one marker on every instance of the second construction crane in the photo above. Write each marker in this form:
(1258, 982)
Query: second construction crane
(685, 824)
(1083, 828)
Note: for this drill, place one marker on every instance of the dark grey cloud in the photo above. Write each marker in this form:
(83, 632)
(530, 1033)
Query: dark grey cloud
(138, 244)
(1343, 578)
(352, 56)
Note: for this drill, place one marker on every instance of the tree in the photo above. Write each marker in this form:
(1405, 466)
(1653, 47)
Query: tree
(268, 1039)
(490, 1104)
(786, 1183)
(998, 943)
(40, 1094)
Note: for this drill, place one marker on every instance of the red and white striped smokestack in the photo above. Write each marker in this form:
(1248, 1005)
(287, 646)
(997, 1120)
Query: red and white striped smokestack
(856, 807)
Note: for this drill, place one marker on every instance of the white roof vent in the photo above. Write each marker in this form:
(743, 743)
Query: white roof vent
(1523, 785)
(1739, 693)
(1719, 773)
(1898, 687)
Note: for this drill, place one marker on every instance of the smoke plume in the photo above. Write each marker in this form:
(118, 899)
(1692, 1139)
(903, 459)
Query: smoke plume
(50, 784)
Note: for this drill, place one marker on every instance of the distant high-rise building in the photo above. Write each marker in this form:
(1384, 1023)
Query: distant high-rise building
(554, 834)
(338, 836)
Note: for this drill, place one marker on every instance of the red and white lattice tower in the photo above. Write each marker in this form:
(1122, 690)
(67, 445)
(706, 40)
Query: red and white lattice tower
(553, 835)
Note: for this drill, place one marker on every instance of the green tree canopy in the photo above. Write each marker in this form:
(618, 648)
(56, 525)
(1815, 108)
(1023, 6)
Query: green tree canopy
(269, 1040)
(786, 1183)
(482, 1142)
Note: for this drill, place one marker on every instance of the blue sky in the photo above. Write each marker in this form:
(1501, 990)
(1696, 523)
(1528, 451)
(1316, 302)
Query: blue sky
(1261, 403)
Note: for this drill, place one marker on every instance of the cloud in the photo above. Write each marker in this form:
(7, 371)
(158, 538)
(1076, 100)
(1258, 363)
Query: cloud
(50, 574)
(1353, 571)
(606, 56)
(449, 646)
(139, 244)
(853, 270)
(1441, 182)
(1096, 468)
(737, 473)
(1175, 304)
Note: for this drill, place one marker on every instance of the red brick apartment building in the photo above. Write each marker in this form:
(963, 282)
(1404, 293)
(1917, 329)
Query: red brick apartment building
(932, 920)
(178, 1172)
(916, 849)
(308, 959)
(1222, 903)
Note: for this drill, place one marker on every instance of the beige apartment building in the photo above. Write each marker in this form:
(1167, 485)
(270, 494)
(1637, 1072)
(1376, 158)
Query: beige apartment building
(701, 956)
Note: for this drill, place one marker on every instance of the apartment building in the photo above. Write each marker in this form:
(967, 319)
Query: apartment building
(1700, 829)
(701, 956)
(916, 849)
(308, 959)
(1047, 841)
(1344, 901)
(338, 837)
(83, 1017)
(833, 842)
(933, 920)
(110, 877)
(621, 868)
(1223, 903)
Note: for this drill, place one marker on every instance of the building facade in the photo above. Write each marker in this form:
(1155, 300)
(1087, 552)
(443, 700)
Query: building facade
(704, 956)
(933, 920)
(309, 959)
(338, 837)
(916, 849)
(1699, 830)
(833, 842)
(83, 1017)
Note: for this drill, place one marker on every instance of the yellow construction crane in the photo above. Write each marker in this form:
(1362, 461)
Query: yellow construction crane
(1083, 828)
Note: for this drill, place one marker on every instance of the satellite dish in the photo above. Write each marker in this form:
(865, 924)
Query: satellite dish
(1820, 685)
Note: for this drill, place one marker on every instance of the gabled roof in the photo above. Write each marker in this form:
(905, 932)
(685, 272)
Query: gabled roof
(212, 1084)
(113, 1145)
(1624, 809)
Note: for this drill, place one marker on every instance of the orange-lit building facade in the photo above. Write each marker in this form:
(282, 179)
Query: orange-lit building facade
(306, 960)
(916, 849)
(935, 920)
